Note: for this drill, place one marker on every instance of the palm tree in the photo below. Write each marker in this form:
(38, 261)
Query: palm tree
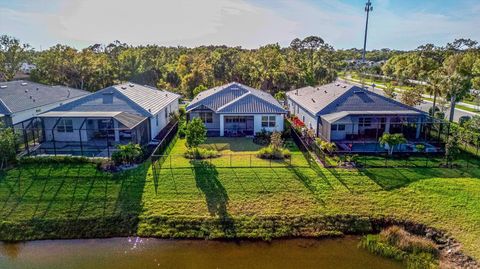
(456, 87)
(434, 87)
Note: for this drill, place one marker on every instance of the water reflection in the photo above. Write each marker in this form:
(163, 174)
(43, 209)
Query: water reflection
(10, 250)
(136, 252)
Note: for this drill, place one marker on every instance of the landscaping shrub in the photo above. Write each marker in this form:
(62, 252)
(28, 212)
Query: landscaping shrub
(182, 130)
(262, 138)
(8, 140)
(275, 150)
(273, 153)
(127, 154)
(201, 153)
(57, 160)
(107, 165)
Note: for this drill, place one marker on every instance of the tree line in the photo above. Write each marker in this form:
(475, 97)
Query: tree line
(308, 61)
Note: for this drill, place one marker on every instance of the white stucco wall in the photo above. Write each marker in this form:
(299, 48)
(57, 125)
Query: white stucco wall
(257, 123)
(162, 120)
(305, 116)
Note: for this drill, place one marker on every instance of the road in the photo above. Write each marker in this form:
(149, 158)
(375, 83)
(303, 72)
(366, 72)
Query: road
(425, 106)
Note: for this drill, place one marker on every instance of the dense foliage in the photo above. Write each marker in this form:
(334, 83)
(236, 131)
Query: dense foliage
(127, 154)
(186, 70)
(8, 142)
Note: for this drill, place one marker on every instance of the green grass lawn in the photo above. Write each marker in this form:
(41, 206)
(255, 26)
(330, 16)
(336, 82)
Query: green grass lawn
(235, 152)
(75, 200)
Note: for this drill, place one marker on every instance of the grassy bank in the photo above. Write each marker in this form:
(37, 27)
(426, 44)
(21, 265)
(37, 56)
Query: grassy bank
(75, 200)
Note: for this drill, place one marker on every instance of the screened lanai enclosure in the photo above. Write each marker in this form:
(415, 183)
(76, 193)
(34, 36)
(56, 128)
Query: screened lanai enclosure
(93, 134)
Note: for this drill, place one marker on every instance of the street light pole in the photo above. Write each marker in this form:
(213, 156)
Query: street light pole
(368, 8)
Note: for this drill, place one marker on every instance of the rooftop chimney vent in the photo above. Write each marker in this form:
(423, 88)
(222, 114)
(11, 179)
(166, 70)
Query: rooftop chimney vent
(24, 84)
(131, 85)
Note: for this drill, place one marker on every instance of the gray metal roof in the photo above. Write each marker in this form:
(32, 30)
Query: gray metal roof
(333, 117)
(236, 98)
(339, 97)
(127, 97)
(19, 95)
(129, 120)
(149, 98)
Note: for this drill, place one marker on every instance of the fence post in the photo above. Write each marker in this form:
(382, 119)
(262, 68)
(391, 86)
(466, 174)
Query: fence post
(230, 160)
(426, 160)
(250, 160)
(170, 161)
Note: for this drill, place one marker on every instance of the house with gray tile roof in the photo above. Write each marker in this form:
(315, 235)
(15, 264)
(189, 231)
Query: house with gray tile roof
(235, 109)
(20, 100)
(118, 114)
(344, 112)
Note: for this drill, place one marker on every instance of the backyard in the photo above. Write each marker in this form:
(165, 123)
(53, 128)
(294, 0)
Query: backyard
(212, 200)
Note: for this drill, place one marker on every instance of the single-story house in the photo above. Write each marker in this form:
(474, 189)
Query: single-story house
(115, 115)
(21, 101)
(237, 110)
(339, 112)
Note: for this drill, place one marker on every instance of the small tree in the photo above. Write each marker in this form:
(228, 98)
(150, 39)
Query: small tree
(412, 97)
(390, 91)
(451, 149)
(280, 96)
(196, 133)
(392, 140)
(276, 141)
(199, 89)
(8, 141)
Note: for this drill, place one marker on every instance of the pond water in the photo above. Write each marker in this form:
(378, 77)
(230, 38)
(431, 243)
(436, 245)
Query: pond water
(143, 253)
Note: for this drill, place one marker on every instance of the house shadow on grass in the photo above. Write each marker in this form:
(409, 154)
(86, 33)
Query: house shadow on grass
(206, 178)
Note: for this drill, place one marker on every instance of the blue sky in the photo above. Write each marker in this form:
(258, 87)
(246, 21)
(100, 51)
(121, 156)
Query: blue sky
(399, 24)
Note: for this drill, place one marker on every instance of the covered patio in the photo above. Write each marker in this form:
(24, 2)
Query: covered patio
(93, 134)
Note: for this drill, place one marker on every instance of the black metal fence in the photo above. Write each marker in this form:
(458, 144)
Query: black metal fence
(381, 159)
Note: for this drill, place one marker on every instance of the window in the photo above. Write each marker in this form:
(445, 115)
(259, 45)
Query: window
(166, 113)
(235, 119)
(365, 122)
(334, 127)
(65, 126)
(341, 127)
(268, 121)
(156, 118)
(206, 117)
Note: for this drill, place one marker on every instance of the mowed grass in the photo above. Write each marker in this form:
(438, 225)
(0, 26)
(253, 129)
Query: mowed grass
(186, 201)
(235, 152)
